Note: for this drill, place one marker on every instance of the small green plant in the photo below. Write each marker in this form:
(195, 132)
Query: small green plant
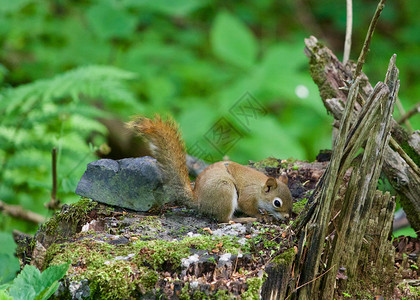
(346, 295)
(32, 284)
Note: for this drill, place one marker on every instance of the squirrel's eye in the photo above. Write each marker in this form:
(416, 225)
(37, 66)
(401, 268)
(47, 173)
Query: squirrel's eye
(277, 202)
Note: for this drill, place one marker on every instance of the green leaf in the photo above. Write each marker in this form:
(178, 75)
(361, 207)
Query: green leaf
(25, 284)
(109, 21)
(232, 41)
(9, 264)
(54, 273)
(173, 7)
(7, 6)
(47, 293)
(31, 284)
(4, 296)
(406, 231)
(267, 139)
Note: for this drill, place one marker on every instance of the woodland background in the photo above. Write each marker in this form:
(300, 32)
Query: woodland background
(64, 65)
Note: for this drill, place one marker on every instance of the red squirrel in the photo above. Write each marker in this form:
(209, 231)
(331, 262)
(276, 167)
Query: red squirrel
(220, 189)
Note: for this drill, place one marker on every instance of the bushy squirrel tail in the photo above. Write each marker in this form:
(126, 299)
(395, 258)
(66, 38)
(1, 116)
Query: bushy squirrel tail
(168, 148)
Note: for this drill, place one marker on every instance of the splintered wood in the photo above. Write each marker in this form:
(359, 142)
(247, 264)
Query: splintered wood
(334, 233)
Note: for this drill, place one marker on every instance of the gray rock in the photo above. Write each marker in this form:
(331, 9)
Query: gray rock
(79, 289)
(133, 183)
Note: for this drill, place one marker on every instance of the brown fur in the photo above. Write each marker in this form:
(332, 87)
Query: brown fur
(217, 187)
(251, 186)
(168, 148)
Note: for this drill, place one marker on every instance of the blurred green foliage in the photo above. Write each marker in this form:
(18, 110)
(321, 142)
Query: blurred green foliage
(9, 264)
(60, 113)
(192, 59)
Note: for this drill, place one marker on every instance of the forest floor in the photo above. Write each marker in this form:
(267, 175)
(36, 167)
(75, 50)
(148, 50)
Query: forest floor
(177, 253)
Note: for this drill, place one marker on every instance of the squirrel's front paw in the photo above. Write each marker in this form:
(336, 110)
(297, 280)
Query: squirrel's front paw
(264, 217)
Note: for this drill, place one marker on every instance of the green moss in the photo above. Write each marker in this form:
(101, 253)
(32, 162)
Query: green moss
(95, 260)
(254, 288)
(289, 161)
(185, 292)
(212, 259)
(73, 216)
(223, 295)
(133, 269)
(201, 295)
(147, 280)
(112, 281)
(415, 291)
(117, 278)
(299, 206)
(105, 209)
(286, 258)
(161, 254)
(409, 291)
(82, 207)
(269, 162)
(316, 68)
(150, 221)
(89, 253)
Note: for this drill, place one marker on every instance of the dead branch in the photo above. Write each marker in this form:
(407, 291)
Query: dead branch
(54, 203)
(366, 44)
(330, 75)
(410, 113)
(349, 25)
(19, 212)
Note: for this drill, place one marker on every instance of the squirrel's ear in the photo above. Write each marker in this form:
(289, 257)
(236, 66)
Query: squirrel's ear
(271, 183)
(283, 178)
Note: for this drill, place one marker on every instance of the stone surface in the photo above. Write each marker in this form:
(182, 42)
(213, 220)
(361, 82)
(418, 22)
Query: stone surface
(133, 183)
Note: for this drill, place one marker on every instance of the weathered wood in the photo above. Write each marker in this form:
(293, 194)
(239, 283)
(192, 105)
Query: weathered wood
(379, 255)
(278, 275)
(355, 214)
(402, 171)
(342, 220)
(328, 189)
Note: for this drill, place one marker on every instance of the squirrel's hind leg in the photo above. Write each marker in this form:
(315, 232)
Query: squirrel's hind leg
(245, 220)
(219, 199)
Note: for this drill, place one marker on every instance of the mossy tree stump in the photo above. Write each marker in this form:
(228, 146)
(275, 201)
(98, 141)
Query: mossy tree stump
(344, 221)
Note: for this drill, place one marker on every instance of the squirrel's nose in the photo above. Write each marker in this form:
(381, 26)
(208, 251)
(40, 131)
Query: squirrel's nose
(286, 216)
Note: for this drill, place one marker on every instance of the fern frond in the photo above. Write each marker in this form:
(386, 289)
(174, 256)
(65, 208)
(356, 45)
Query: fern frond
(60, 112)
(96, 82)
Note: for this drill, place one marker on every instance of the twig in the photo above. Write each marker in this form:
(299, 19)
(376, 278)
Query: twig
(369, 35)
(402, 112)
(393, 143)
(236, 264)
(19, 212)
(349, 25)
(54, 203)
(54, 174)
(409, 114)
